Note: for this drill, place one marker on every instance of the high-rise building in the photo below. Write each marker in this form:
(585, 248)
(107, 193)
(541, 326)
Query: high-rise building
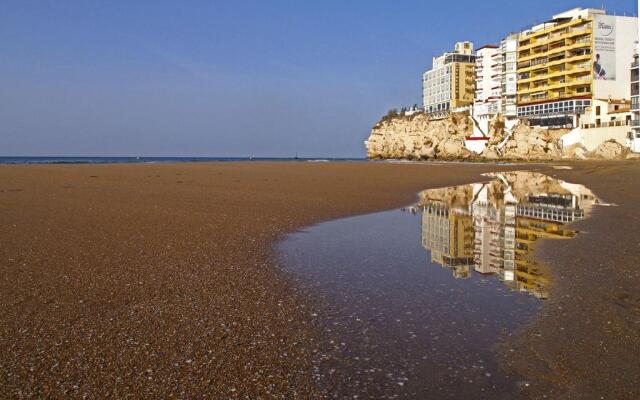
(634, 134)
(448, 235)
(488, 95)
(567, 62)
(496, 85)
(450, 84)
(509, 78)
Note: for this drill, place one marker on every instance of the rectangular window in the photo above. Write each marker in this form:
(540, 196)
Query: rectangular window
(597, 110)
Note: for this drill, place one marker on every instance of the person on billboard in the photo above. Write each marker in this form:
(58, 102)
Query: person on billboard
(598, 71)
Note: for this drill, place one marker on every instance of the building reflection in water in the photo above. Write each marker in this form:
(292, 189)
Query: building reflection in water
(492, 228)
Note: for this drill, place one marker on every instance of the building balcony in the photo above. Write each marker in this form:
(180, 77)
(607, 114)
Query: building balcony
(609, 124)
(529, 99)
(528, 67)
(549, 53)
(569, 29)
(551, 85)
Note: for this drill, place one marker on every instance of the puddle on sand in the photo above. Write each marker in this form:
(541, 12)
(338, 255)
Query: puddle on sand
(412, 301)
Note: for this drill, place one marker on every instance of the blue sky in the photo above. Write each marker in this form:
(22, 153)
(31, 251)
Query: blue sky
(227, 78)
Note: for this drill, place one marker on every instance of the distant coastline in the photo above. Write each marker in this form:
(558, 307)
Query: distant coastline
(153, 160)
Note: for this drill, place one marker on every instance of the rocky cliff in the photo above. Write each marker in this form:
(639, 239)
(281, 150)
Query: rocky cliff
(417, 137)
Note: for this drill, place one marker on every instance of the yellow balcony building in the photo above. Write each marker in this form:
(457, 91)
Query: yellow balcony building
(566, 63)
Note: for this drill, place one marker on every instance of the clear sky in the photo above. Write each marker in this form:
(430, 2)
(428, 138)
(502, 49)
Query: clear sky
(228, 78)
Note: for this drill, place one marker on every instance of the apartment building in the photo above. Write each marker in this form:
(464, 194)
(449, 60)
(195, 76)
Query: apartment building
(509, 78)
(634, 134)
(448, 235)
(567, 62)
(488, 94)
(450, 84)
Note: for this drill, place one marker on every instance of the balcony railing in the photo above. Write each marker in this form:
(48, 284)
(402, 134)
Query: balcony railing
(610, 124)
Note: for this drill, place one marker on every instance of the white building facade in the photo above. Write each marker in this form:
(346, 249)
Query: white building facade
(444, 85)
(634, 132)
(509, 79)
(488, 95)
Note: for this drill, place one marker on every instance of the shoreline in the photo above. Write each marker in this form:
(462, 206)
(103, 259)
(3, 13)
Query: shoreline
(217, 242)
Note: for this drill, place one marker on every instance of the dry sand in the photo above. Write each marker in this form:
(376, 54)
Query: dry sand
(155, 280)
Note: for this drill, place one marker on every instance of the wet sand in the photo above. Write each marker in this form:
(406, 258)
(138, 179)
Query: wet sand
(585, 344)
(159, 280)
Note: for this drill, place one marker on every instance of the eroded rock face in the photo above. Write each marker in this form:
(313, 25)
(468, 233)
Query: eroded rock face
(418, 137)
(575, 151)
(525, 143)
(610, 150)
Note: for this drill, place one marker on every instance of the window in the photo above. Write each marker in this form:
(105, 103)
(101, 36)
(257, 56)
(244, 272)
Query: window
(598, 111)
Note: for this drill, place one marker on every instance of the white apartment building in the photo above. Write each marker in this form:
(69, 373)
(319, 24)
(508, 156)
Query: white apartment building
(509, 78)
(634, 133)
(488, 95)
(496, 88)
(449, 84)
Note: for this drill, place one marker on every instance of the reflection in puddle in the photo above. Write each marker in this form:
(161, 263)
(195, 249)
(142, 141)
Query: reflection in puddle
(394, 324)
(492, 227)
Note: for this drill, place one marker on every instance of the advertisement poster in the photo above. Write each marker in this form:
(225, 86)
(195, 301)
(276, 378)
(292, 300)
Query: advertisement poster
(604, 54)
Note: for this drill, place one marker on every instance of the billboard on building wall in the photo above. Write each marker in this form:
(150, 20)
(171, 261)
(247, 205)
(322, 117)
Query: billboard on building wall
(604, 50)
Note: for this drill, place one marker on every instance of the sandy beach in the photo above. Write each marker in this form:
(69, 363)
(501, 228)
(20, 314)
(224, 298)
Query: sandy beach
(159, 280)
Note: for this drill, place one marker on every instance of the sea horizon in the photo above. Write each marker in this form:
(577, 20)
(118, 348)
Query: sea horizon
(159, 159)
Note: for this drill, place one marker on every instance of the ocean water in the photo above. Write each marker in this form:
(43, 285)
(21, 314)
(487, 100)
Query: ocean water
(135, 160)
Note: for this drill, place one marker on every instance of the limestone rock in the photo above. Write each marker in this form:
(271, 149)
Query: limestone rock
(490, 153)
(451, 147)
(609, 150)
(418, 137)
(576, 151)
